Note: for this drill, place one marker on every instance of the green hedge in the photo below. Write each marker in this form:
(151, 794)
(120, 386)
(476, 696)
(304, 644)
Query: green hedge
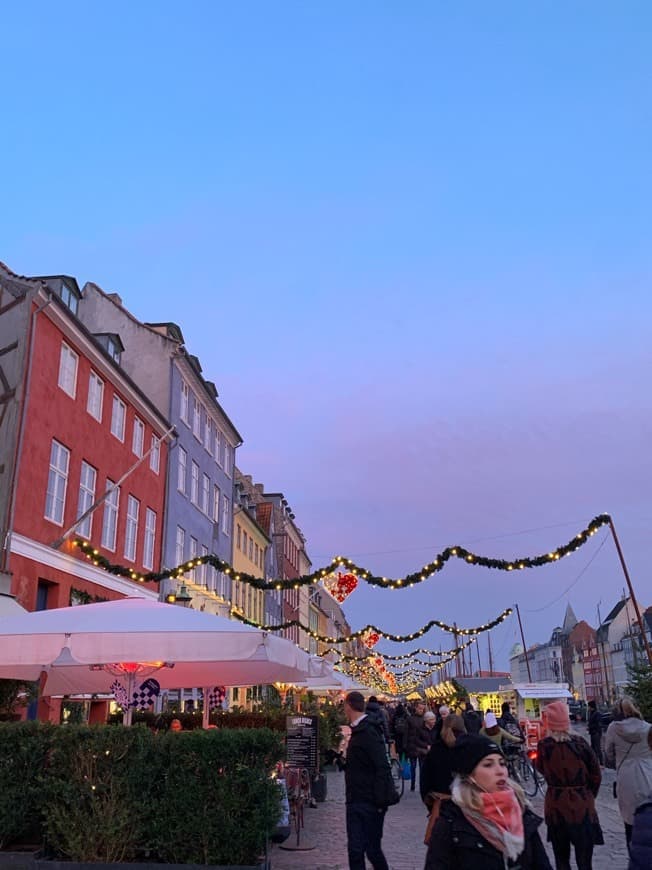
(200, 797)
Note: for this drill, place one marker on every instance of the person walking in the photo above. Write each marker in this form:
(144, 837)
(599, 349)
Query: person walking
(472, 719)
(366, 770)
(437, 770)
(417, 743)
(595, 730)
(640, 847)
(398, 729)
(508, 722)
(572, 772)
(487, 824)
(628, 748)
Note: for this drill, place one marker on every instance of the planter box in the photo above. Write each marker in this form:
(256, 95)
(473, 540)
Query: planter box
(31, 861)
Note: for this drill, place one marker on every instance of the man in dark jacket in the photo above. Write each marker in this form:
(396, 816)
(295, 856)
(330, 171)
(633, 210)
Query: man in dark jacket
(418, 743)
(640, 848)
(365, 777)
(472, 719)
(595, 730)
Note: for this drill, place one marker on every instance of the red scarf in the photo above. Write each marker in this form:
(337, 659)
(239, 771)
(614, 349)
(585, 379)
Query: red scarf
(500, 821)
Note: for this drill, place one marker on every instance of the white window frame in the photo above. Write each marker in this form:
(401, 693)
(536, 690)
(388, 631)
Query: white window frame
(180, 545)
(184, 409)
(182, 469)
(194, 548)
(219, 448)
(196, 417)
(150, 539)
(85, 498)
(216, 503)
(155, 454)
(202, 568)
(131, 528)
(226, 514)
(194, 482)
(208, 434)
(118, 404)
(95, 400)
(110, 518)
(205, 493)
(138, 438)
(228, 458)
(55, 494)
(68, 365)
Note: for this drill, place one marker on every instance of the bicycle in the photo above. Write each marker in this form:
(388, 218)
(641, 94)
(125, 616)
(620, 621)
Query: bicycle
(522, 770)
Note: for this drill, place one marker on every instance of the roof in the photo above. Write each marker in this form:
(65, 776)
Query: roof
(603, 629)
(264, 516)
(480, 685)
(545, 691)
(570, 620)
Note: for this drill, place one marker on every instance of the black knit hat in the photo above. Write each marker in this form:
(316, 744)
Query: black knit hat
(469, 750)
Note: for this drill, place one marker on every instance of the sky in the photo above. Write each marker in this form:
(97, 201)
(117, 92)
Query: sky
(410, 243)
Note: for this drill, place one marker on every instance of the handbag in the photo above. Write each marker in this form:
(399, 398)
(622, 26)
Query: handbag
(407, 770)
(387, 794)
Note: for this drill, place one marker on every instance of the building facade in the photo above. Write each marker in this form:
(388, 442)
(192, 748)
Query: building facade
(75, 426)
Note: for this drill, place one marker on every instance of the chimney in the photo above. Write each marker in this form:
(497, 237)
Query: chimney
(115, 297)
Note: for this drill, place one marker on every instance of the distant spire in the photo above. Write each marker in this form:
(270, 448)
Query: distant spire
(570, 620)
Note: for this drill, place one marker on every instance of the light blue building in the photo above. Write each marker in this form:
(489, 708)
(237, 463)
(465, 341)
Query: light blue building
(201, 465)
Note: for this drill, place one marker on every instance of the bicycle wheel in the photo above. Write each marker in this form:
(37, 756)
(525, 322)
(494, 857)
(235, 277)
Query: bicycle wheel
(397, 775)
(530, 778)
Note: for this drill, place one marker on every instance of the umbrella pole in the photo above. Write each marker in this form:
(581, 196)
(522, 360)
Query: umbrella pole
(126, 719)
(206, 711)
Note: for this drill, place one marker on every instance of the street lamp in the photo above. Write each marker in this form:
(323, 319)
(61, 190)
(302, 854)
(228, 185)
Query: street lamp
(181, 597)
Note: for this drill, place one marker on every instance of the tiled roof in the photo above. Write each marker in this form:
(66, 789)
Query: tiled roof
(264, 516)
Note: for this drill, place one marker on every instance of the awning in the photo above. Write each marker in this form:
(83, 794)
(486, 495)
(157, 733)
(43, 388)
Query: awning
(544, 693)
(9, 606)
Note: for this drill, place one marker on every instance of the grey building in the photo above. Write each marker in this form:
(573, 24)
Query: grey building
(201, 466)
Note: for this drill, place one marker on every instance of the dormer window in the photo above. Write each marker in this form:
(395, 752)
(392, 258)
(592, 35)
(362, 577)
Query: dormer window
(111, 344)
(69, 297)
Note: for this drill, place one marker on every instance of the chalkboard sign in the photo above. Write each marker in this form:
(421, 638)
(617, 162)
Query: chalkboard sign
(302, 738)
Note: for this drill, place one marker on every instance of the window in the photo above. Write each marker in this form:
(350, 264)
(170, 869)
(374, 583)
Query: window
(110, 518)
(155, 455)
(68, 370)
(239, 537)
(226, 515)
(219, 448)
(113, 348)
(55, 496)
(182, 462)
(256, 554)
(208, 435)
(205, 493)
(95, 396)
(150, 539)
(245, 538)
(87, 481)
(228, 458)
(251, 549)
(69, 298)
(138, 437)
(203, 568)
(194, 547)
(185, 402)
(131, 531)
(194, 483)
(216, 504)
(118, 417)
(180, 544)
(196, 418)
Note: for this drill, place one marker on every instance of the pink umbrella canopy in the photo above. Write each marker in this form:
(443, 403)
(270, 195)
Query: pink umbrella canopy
(83, 648)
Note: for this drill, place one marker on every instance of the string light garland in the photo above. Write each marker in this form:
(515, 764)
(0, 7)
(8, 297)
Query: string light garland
(320, 574)
(373, 629)
(420, 651)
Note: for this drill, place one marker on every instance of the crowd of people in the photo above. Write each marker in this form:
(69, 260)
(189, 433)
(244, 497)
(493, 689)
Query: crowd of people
(478, 817)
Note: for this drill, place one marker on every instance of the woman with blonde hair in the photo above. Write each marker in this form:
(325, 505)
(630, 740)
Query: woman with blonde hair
(628, 748)
(487, 823)
(572, 772)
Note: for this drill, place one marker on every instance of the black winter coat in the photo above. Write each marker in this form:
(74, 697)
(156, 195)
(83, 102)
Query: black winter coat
(456, 845)
(418, 743)
(437, 770)
(640, 850)
(366, 765)
(595, 722)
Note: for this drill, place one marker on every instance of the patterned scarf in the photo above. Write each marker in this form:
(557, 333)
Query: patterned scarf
(500, 822)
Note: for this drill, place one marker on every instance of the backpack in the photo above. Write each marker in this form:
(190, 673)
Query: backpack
(401, 725)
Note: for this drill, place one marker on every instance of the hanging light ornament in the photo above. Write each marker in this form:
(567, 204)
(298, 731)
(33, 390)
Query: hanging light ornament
(340, 585)
(370, 638)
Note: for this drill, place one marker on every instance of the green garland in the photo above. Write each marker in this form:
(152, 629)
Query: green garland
(409, 580)
(450, 653)
(397, 638)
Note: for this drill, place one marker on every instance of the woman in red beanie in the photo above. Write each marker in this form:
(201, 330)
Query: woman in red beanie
(572, 771)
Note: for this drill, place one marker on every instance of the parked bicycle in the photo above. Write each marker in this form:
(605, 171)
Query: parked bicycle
(520, 764)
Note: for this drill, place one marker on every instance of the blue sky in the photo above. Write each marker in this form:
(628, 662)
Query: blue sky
(409, 242)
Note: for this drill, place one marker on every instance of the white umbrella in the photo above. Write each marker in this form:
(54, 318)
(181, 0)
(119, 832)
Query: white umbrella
(83, 648)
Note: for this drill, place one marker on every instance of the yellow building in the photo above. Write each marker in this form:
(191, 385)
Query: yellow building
(249, 547)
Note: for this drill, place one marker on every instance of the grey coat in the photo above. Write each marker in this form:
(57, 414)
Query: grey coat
(628, 750)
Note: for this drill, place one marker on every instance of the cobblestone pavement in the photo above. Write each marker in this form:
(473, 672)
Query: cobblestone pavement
(404, 828)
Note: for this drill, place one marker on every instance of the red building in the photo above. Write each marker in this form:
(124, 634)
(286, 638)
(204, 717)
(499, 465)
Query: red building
(72, 424)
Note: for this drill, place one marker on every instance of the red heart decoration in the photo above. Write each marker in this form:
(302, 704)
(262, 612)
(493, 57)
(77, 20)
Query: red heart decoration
(340, 585)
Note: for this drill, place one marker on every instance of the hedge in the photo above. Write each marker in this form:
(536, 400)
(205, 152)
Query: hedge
(202, 797)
